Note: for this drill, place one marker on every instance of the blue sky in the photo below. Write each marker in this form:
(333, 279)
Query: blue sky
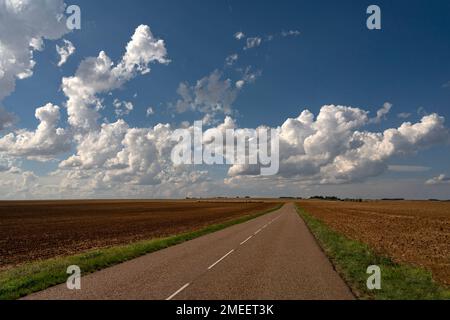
(335, 60)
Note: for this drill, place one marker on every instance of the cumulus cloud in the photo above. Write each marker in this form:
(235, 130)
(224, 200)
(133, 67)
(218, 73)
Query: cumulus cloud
(31, 22)
(333, 148)
(253, 43)
(210, 95)
(98, 75)
(94, 76)
(213, 95)
(47, 141)
(330, 148)
(65, 51)
(439, 180)
(113, 152)
(24, 25)
(120, 154)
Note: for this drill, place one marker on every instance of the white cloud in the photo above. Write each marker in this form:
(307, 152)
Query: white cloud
(98, 146)
(239, 35)
(408, 168)
(381, 113)
(120, 154)
(47, 141)
(122, 108)
(99, 75)
(240, 84)
(332, 148)
(143, 49)
(95, 75)
(24, 24)
(292, 33)
(404, 115)
(6, 163)
(231, 59)
(211, 94)
(249, 76)
(439, 180)
(421, 111)
(6, 118)
(329, 149)
(115, 152)
(253, 43)
(65, 51)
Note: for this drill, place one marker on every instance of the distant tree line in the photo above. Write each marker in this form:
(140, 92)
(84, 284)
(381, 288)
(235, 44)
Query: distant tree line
(333, 198)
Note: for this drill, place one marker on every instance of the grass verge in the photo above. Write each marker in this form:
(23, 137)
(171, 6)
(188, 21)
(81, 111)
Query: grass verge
(36, 276)
(352, 258)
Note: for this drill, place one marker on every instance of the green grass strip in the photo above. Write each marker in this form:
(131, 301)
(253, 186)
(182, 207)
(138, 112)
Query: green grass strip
(352, 258)
(36, 276)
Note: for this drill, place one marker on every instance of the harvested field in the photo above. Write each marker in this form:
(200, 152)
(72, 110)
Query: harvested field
(414, 232)
(44, 229)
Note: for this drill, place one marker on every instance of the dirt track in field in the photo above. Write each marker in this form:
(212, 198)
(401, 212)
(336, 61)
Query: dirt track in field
(415, 232)
(44, 229)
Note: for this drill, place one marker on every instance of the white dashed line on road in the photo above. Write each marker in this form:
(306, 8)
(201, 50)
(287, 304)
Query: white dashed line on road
(218, 261)
(243, 242)
(178, 291)
(221, 259)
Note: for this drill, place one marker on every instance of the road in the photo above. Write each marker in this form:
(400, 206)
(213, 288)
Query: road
(272, 257)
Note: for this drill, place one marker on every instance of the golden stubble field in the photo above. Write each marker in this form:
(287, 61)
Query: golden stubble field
(414, 232)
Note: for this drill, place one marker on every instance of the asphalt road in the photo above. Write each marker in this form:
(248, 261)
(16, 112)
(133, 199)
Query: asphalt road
(271, 257)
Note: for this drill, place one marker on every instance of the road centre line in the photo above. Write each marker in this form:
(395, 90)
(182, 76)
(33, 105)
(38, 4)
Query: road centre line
(218, 261)
(178, 291)
(243, 242)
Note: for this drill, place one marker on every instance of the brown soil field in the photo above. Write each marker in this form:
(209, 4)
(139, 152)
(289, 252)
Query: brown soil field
(413, 232)
(34, 230)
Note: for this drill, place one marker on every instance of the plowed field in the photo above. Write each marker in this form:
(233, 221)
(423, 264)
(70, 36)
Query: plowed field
(414, 232)
(44, 229)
